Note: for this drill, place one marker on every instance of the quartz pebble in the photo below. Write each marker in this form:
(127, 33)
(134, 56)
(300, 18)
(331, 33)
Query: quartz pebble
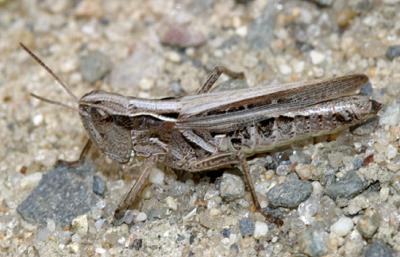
(80, 225)
(232, 187)
(260, 229)
(342, 226)
(157, 176)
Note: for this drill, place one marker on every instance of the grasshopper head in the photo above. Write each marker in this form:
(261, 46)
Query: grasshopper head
(99, 111)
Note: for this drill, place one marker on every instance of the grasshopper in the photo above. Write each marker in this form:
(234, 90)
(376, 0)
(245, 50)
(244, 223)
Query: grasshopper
(214, 130)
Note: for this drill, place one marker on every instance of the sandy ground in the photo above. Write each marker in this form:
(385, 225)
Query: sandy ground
(347, 190)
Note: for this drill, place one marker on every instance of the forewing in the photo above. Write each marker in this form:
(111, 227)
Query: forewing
(229, 109)
(292, 94)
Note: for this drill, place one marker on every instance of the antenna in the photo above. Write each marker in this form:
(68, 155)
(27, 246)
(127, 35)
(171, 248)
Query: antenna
(53, 102)
(52, 74)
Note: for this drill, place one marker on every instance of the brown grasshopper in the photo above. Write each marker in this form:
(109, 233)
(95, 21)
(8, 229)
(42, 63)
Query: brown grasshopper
(214, 130)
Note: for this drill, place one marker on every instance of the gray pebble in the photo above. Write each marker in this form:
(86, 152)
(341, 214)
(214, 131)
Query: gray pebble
(231, 187)
(378, 249)
(99, 186)
(393, 52)
(246, 227)
(313, 242)
(94, 66)
(290, 193)
(62, 194)
(347, 187)
(368, 225)
(260, 32)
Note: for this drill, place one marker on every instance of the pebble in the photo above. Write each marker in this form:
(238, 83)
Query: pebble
(31, 180)
(391, 152)
(379, 249)
(290, 193)
(179, 35)
(80, 225)
(317, 57)
(313, 242)
(368, 224)
(260, 229)
(347, 187)
(171, 203)
(94, 66)
(62, 194)
(246, 227)
(156, 176)
(393, 52)
(140, 217)
(89, 8)
(99, 185)
(285, 69)
(231, 187)
(260, 34)
(342, 227)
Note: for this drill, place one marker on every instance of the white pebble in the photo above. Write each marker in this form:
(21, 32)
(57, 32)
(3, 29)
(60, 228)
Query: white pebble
(285, 69)
(342, 227)
(173, 57)
(140, 217)
(37, 119)
(31, 180)
(146, 84)
(80, 225)
(157, 176)
(391, 152)
(171, 203)
(260, 229)
(317, 57)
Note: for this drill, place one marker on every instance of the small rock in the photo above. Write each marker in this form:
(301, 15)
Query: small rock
(313, 242)
(89, 8)
(391, 152)
(342, 227)
(73, 247)
(232, 187)
(317, 57)
(260, 229)
(180, 35)
(246, 227)
(140, 217)
(226, 232)
(128, 217)
(378, 249)
(99, 185)
(283, 169)
(80, 225)
(94, 66)
(62, 194)
(171, 203)
(393, 52)
(368, 224)
(344, 17)
(157, 176)
(285, 69)
(136, 244)
(347, 187)
(31, 180)
(290, 193)
(260, 32)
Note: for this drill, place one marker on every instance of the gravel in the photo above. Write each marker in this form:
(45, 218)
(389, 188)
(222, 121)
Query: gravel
(157, 49)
